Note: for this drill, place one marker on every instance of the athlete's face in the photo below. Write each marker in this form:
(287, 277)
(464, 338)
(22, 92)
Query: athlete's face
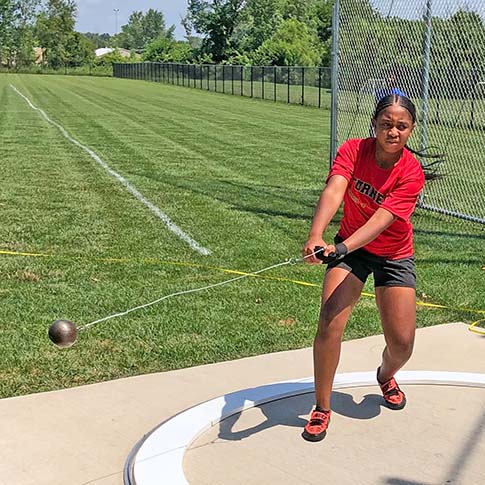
(393, 127)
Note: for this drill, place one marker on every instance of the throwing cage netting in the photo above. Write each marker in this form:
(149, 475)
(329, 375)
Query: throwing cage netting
(434, 52)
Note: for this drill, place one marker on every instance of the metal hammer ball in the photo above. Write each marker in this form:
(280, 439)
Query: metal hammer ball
(63, 333)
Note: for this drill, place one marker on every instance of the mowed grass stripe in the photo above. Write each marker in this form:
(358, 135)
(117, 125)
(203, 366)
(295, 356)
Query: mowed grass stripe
(98, 131)
(210, 116)
(59, 172)
(132, 189)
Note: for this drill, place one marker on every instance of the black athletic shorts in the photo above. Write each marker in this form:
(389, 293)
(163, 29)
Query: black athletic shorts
(386, 272)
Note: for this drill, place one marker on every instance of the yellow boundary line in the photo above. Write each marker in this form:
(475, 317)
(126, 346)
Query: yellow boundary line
(242, 273)
(479, 330)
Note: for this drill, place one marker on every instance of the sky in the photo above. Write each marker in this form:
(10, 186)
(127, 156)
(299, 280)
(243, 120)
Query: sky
(98, 15)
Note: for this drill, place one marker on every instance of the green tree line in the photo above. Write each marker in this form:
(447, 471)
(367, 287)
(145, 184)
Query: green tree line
(247, 32)
(270, 32)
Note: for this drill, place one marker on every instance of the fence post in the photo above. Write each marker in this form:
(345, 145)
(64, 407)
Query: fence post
(288, 84)
(252, 81)
(232, 79)
(215, 78)
(319, 87)
(334, 78)
(262, 82)
(302, 86)
(274, 83)
(242, 80)
(426, 69)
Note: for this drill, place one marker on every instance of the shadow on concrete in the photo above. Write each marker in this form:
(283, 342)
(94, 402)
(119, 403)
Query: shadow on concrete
(289, 411)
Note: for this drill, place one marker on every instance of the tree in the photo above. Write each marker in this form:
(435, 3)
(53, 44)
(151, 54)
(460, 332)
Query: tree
(260, 21)
(234, 30)
(293, 44)
(7, 16)
(142, 29)
(167, 50)
(16, 31)
(79, 49)
(216, 20)
(99, 40)
(54, 28)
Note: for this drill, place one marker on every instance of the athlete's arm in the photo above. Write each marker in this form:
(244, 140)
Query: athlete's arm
(328, 204)
(379, 222)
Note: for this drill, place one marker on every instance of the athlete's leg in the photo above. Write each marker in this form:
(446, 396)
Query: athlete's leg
(341, 291)
(397, 308)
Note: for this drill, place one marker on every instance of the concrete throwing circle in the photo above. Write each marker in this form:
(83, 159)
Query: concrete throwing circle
(161, 452)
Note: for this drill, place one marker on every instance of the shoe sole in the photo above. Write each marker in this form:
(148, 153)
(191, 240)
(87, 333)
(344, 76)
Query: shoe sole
(396, 407)
(313, 437)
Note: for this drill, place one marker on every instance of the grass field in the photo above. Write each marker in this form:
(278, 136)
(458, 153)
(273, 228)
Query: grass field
(240, 176)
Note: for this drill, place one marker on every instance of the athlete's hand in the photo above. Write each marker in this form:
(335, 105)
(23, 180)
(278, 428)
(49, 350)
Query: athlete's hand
(333, 253)
(309, 249)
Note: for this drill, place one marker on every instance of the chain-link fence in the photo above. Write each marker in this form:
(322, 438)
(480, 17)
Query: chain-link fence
(434, 52)
(296, 85)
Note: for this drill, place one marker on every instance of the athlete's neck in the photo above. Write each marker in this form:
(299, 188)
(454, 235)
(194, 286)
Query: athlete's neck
(386, 160)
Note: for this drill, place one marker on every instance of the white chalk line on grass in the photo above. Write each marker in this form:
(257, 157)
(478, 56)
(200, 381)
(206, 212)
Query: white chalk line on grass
(133, 190)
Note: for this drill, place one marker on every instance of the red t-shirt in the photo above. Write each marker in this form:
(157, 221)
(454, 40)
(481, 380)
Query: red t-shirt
(370, 187)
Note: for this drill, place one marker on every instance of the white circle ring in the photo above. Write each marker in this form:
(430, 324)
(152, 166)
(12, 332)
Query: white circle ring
(160, 453)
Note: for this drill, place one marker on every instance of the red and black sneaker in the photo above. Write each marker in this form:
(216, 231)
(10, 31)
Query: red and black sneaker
(393, 396)
(316, 428)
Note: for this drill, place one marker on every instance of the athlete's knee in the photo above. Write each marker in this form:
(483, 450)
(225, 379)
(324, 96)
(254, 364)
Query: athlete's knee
(401, 348)
(330, 324)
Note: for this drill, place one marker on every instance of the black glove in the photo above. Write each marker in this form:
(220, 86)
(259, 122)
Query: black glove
(340, 253)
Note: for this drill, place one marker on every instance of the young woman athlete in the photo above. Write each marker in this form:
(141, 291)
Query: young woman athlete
(379, 181)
